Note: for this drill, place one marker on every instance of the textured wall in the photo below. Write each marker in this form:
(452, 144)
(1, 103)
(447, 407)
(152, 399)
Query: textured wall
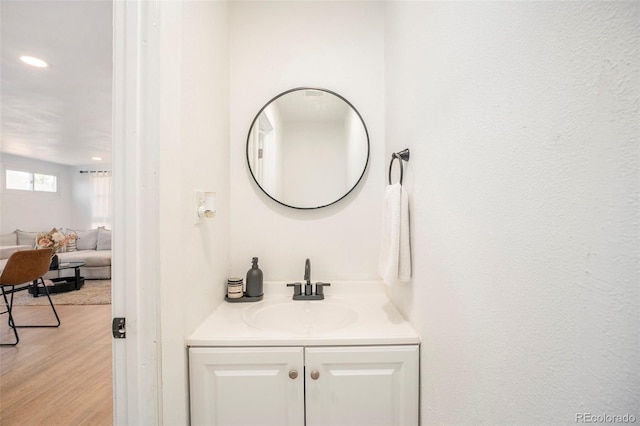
(522, 120)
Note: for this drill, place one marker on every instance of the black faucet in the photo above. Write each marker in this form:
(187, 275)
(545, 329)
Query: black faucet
(308, 288)
(307, 277)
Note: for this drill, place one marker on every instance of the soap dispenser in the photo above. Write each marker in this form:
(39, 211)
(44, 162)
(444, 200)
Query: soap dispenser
(254, 280)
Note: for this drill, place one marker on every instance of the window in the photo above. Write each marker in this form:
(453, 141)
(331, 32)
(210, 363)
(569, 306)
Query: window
(28, 181)
(45, 183)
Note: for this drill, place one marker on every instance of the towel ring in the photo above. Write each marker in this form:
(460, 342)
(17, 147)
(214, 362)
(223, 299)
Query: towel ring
(400, 156)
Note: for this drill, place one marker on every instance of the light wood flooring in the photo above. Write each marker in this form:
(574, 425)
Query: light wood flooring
(57, 376)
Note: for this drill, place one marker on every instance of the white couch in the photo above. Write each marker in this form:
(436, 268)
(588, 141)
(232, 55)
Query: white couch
(93, 247)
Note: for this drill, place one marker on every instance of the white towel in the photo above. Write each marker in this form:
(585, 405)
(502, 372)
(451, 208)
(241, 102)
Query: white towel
(404, 261)
(395, 250)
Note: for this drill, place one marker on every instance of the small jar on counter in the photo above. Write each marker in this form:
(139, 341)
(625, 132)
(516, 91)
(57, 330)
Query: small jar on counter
(235, 288)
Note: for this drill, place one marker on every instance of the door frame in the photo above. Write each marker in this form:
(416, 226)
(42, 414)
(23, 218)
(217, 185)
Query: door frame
(136, 284)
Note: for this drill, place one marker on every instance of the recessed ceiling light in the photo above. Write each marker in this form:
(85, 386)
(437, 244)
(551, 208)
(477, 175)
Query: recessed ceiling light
(36, 62)
(96, 158)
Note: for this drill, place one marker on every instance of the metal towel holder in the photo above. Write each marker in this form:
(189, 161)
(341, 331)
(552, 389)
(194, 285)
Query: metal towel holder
(400, 156)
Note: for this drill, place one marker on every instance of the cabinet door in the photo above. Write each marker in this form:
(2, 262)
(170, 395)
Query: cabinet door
(246, 386)
(362, 385)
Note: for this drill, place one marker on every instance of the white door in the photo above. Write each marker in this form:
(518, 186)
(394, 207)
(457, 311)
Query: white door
(362, 385)
(247, 386)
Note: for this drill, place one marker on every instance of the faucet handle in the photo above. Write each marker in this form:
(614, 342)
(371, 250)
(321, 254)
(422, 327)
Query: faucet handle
(297, 288)
(320, 288)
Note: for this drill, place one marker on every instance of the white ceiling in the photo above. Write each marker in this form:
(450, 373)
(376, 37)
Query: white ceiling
(62, 113)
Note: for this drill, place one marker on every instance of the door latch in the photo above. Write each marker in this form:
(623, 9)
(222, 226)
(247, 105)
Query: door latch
(118, 328)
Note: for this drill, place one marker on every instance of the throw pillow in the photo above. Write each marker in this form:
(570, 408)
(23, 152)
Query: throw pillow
(9, 239)
(26, 238)
(71, 245)
(87, 240)
(104, 239)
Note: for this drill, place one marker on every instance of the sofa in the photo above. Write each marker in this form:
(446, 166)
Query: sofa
(92, 246)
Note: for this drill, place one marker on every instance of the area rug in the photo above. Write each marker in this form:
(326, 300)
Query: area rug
(94, 292)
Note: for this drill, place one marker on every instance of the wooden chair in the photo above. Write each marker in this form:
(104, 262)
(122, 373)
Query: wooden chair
(23, 270)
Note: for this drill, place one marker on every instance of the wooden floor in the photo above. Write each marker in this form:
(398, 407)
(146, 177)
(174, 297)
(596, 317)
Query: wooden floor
(57, 376)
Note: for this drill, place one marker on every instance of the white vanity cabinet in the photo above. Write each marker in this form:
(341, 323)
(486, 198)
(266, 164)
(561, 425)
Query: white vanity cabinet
(247, 386)
(328, 385)
(362, 385)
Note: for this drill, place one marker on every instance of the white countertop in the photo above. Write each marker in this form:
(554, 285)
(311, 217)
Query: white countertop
(378, 322)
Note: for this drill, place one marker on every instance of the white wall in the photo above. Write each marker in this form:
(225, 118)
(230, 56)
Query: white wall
(276, 46)
(522, 120)
(194, 154)
(34, 211)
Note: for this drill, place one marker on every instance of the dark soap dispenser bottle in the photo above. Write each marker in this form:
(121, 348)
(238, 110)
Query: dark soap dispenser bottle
(254, 280)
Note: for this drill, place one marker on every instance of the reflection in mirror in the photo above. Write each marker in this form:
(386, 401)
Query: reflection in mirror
(307, 148)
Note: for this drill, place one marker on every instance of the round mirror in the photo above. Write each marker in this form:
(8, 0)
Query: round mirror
(307, 148)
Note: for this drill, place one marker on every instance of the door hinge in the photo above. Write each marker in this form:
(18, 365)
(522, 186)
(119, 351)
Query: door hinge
(118, 328)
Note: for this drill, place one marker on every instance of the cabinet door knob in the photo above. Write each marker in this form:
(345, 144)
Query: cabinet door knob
(293, 374)
(315, 374)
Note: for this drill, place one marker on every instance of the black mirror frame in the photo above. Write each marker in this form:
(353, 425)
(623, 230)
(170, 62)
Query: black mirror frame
(366, 131)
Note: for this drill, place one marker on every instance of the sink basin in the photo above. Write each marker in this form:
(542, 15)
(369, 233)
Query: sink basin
(299, 317)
